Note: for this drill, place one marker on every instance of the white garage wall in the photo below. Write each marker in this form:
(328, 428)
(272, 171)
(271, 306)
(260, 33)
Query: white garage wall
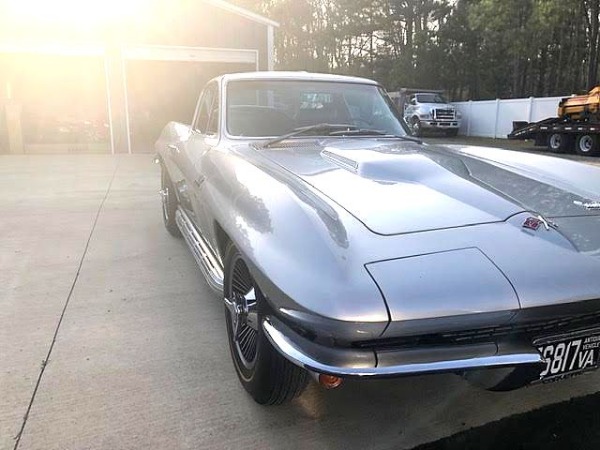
(494, 118)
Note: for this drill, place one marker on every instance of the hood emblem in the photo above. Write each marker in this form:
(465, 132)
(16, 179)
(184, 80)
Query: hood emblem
(534, 223)
(590, 206)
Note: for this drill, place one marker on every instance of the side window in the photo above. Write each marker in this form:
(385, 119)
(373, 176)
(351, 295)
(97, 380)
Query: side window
(207, 119)
(213, 120)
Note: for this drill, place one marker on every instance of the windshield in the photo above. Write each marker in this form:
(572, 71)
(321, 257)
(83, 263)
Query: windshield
(431, 98)
(273, 108)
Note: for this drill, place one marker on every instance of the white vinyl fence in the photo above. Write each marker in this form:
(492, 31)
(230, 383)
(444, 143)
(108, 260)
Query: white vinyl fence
(494, 118)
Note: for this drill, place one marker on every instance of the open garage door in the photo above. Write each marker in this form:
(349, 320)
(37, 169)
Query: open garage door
(163, 84)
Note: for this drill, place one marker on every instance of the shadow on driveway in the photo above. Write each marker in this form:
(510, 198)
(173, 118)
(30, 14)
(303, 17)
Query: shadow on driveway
(571, 424)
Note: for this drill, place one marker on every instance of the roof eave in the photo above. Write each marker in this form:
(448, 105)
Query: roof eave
(243, 12)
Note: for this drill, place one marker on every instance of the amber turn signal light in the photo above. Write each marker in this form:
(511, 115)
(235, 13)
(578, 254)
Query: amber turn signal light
(330, 381)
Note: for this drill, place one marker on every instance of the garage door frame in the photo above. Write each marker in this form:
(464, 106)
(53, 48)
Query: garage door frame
(180, 54)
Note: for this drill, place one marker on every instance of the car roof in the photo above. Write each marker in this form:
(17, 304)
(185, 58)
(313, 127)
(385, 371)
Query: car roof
(294, 76)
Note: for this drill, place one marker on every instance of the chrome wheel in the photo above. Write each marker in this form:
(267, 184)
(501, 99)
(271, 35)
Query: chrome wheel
(164, 195)
(555, 141)
(560, 142)
(264, 373)
(416, 127)
(586, 144)
(240, 301)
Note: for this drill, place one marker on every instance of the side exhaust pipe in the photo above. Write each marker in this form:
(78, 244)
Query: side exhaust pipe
(208, 262)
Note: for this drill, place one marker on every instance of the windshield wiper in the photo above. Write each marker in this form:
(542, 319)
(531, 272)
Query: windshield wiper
(359, 132)
(328, 128)
(370, 132)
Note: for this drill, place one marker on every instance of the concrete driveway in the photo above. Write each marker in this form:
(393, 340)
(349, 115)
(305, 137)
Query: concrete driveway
(110, 338)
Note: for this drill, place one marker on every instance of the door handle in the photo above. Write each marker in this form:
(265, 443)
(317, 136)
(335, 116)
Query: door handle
(173, 148)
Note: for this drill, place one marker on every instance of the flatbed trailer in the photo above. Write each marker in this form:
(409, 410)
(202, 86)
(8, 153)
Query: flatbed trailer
(561, 135)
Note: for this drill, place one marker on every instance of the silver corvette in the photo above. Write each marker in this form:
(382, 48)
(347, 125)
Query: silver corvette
(342, 247)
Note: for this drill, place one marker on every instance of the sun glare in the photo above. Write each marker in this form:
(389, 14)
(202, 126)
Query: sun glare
(74, 12)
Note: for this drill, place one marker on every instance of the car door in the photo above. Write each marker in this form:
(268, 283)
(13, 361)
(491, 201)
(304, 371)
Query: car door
(410, 108)
(203, 137)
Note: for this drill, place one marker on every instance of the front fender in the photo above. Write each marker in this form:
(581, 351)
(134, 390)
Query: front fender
(299, 246)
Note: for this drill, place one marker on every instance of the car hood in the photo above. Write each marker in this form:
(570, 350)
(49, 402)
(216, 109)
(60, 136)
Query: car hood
(396, 187)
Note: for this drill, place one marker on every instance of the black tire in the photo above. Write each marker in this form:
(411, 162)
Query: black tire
(266, 375)
(169, 203)
(452, 133)
(587, 145)
(416, 127)
(560, 142)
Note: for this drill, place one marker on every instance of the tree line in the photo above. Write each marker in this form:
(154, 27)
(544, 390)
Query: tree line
(473, 49)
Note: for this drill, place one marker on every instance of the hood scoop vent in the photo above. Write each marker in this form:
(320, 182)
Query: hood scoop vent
(386, 167)
(342, 161)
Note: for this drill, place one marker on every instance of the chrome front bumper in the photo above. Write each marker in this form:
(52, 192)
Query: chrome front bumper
(348, 362)
(440, 124)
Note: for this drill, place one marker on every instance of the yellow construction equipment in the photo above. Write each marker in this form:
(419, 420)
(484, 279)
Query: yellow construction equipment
(581, 107)
(577, 127)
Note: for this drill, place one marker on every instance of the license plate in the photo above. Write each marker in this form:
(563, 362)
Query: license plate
(567, 356)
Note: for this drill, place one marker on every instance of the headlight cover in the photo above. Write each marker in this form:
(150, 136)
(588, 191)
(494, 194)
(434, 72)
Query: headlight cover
(450, 283)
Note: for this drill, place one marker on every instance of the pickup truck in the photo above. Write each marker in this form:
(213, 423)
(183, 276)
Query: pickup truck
(430, 111)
